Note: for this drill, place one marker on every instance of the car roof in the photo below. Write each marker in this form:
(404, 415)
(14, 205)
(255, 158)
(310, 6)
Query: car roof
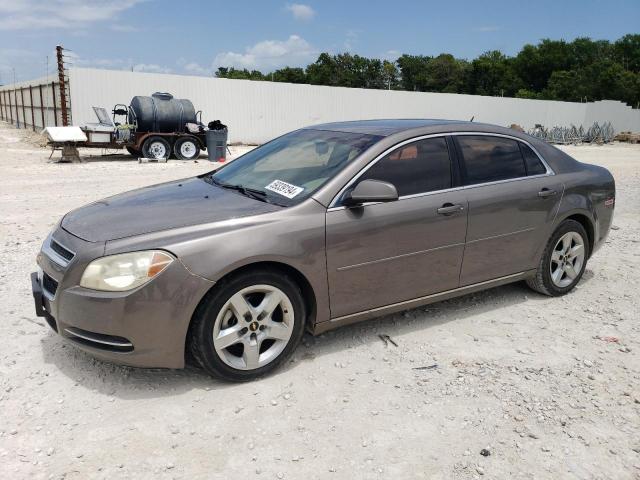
(384, 127)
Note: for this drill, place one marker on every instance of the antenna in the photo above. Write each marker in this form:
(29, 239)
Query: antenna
(472, 118)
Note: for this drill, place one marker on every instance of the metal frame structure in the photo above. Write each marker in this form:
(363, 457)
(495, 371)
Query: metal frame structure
(14, 106)
(19, 105)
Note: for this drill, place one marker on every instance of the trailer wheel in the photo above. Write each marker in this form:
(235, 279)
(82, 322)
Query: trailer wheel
(186, 148)
(156, 148)
(132, 151)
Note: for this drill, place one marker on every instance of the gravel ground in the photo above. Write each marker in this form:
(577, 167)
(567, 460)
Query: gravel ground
(516, 385)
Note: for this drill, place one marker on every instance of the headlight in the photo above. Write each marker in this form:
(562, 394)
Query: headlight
(117, 273)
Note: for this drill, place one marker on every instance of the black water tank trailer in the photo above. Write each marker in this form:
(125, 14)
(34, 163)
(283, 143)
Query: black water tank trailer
(161, 113)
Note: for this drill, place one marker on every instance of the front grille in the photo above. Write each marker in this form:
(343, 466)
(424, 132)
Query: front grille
(49, 284)
(60, 250)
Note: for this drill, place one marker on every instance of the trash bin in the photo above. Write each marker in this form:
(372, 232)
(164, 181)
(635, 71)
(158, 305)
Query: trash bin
(217, 144)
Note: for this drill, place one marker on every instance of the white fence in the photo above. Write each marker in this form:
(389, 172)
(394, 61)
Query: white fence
(259, 111)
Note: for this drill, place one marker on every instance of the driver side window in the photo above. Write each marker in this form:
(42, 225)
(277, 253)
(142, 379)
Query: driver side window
(418, 167)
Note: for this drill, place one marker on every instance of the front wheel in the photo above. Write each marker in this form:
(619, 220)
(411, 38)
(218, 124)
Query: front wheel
(248, 325)
(563, 261)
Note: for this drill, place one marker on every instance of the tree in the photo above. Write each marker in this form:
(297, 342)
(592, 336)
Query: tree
(585, 51)
(492, 73)
(567, 85)
(551, 69)
(324, 71)
(627, 52)
(413, 72)
(243, 74)
(289, 75)
(390, 75)
(611, 80)
(524, 93)
(535, 64)
(446, 74)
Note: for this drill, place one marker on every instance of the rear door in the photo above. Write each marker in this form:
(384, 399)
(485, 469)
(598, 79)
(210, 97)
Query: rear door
(513, 198)
(384, 253)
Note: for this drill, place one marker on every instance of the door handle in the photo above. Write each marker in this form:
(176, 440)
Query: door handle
(545, 192)
(450, 209)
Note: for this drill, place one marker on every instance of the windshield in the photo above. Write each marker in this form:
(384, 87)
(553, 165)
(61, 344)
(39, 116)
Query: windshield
(290, 168)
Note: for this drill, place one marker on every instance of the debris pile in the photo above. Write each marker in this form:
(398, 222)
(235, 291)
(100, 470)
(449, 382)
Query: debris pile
(627, 137)
(573, 135)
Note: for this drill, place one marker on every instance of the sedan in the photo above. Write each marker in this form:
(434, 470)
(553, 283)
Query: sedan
(322, 227)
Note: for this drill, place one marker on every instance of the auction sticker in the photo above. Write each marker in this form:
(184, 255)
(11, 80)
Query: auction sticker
(283, 188)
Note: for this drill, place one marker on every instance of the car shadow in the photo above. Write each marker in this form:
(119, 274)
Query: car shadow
(420, 318)
(129, 382)
(121, 381)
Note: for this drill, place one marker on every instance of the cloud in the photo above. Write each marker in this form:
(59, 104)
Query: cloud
(73, 59)
(351, 39)
(21, 60)
(124, 28)
(196, 69)
(487, 28)
(59, 14)
(294, 51)
(391, 55)
(301, 11)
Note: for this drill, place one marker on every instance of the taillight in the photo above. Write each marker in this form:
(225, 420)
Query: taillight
(610, 202)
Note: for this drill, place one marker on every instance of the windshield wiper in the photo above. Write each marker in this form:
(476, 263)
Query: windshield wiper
(247, 191)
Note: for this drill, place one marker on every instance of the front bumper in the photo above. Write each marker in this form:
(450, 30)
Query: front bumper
(143, 327)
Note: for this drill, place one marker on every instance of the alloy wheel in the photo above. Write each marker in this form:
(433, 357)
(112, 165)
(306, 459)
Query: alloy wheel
(253, 327)
(567, 259)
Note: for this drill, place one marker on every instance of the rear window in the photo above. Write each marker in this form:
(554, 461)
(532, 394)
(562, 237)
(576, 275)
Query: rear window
(532, 161)
(489, 159)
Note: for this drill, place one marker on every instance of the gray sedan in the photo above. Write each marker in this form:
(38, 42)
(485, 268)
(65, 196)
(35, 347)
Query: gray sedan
(322, 227)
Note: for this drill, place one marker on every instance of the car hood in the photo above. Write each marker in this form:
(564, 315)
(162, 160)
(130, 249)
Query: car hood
(160, 207)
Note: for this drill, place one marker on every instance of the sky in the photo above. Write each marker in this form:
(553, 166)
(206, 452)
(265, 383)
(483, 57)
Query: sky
(196, 37)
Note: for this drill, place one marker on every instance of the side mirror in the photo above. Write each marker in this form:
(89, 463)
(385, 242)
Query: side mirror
(370, 191)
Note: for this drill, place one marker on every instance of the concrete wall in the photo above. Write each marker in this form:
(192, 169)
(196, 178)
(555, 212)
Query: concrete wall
(259, 111)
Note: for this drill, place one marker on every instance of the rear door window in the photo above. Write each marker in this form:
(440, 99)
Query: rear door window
(489, 159)
(417, 167)
(532, 161)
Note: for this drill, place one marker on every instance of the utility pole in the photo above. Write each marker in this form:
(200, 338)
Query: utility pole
(63, 87)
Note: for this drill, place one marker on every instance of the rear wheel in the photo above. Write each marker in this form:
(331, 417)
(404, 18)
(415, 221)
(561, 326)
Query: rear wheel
(248, 326)
(156, 148)
(564, 260)
(186, 148)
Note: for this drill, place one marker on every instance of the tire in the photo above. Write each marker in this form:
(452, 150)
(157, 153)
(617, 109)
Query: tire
(156, 147)
(553, 280)
(186, 148)
(133, 152)
(255, 346)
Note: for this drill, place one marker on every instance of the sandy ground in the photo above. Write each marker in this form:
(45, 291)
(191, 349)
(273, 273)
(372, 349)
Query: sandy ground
(550, 387)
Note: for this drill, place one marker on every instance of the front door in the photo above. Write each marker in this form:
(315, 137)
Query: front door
(384, 253)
